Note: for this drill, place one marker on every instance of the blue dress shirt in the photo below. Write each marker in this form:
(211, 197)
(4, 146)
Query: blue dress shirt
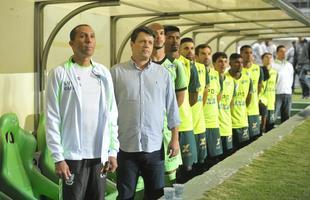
(143, 97)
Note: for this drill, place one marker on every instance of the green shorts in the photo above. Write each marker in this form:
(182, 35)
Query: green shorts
(173, 163)
(201, 145)
(240, 135)
(188, 148)
(227, 143)
(254, 125)
(214, 142)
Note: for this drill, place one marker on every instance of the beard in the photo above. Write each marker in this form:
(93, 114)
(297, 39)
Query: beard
(174, 49)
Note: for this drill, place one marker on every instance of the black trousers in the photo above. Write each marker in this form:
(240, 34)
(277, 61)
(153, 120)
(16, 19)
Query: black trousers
(87, 182)
(149, 165)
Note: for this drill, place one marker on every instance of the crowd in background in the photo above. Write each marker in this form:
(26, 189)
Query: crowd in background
(298, 55)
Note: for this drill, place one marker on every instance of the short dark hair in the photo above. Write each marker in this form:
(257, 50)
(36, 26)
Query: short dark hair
(245, 47)
(265, 54)
(217, 55)
(140, 29)
(74, 30)
(171, 28)
(279, 47)
(234, 56)
(187, 39)
(201, 46)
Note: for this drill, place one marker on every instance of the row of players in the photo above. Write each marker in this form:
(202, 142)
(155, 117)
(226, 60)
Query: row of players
(219, 104)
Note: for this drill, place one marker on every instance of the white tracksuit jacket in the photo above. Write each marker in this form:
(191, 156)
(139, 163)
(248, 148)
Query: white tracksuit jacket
(63, 113)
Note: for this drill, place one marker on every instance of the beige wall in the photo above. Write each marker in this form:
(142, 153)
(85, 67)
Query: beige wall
(16, 48)
(16, 66)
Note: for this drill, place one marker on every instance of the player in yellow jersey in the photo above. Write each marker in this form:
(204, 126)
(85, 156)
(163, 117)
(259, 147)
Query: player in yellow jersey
(187, 49)
(240, 101)
(211, 112)
(256, 75)
(220, 64)
(268, 94)
(187, 138)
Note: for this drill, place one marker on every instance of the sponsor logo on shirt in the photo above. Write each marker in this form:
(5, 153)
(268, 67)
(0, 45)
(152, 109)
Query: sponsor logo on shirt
(68, 85)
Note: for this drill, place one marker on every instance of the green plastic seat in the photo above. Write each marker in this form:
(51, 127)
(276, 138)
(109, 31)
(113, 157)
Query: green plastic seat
(46, 162)
(111, 190)
(19, 178)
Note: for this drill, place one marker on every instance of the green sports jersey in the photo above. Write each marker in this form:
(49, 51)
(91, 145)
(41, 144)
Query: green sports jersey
(197, 109)
(224, 105)
(185, 109)
(256, 76)
(210, 108)
(239, 115)
(176, 72)
(268, 94)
